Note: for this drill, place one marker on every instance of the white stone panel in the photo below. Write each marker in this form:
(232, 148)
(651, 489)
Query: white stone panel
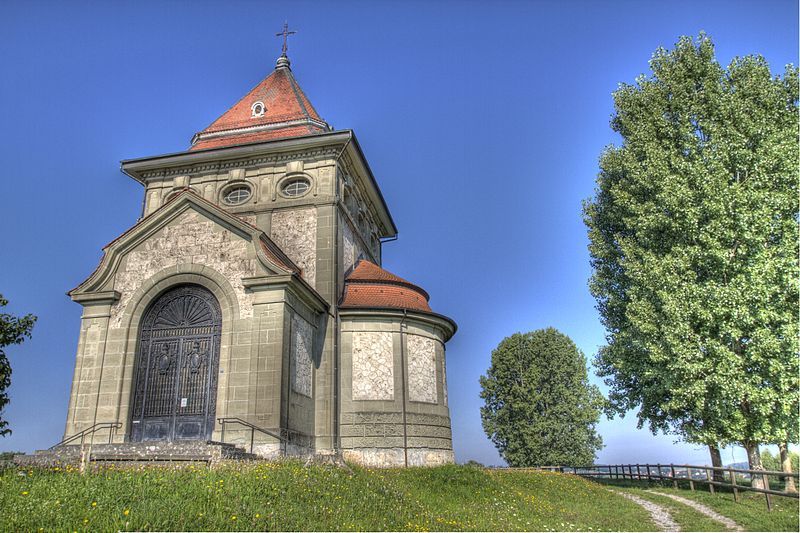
(295, 232)
(352, 249)
(348, 245)
(421, 369)
(373, 366)
(189, 239)
(302, 350)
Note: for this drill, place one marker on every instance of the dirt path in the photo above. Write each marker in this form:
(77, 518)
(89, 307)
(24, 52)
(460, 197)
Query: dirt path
(659, 514)
(699, 507)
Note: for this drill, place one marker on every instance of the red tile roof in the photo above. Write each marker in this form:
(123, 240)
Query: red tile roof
(368, 285)
(288, 113)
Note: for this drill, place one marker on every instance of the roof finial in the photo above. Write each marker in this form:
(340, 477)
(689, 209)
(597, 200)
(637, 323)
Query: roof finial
(283, 61)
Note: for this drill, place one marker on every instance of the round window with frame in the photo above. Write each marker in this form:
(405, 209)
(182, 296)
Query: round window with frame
(295, 187)
(236, 195)
(258, 109)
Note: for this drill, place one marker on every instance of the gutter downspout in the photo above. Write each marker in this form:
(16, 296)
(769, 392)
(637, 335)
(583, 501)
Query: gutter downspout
(403, 379)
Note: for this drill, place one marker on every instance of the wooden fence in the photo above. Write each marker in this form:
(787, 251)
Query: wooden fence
(694, 474)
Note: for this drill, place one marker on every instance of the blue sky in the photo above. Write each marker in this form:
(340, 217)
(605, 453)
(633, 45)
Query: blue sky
(482, 121)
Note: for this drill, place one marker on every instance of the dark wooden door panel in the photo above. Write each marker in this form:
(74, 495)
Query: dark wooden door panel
(176, 367)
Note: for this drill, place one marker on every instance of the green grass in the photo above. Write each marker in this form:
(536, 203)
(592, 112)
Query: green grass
(750, 512)
(287, 496)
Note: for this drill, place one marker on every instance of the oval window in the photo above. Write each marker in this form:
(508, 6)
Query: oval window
(237, 195)
(258, 109)
(295, 187)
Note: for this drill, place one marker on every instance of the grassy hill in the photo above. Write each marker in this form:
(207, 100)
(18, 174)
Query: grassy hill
(288, 496)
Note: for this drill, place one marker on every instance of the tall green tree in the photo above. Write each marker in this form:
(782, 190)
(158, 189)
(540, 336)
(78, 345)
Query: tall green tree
(693, 233)
(13, 330)
(539, 406)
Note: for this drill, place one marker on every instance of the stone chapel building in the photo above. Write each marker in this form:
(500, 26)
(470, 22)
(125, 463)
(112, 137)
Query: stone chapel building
(248, 302)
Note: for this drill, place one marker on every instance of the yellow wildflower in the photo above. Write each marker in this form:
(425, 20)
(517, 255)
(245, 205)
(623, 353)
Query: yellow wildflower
(24, 492)
(94, 504)
(126, 512)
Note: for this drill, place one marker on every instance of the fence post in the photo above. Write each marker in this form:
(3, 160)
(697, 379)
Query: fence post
(766, 494)
(733, 483)
(691, 481)
(674, 477)
(638, 472)
(710, 480)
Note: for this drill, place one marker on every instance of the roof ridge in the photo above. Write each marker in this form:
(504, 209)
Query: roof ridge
(295, 88)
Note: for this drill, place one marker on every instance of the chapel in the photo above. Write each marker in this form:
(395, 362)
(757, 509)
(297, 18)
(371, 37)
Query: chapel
(248, 305)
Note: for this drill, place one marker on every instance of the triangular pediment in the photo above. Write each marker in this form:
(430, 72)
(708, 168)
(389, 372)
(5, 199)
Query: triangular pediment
(185, 209)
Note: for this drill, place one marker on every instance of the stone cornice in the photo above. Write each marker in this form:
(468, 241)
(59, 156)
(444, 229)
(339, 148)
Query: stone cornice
(294, 283)
(96, 298)
(261, 127)
(322, 144)
(447, 325)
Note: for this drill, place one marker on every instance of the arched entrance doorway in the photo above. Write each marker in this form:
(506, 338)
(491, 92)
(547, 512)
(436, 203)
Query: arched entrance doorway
(175, 387)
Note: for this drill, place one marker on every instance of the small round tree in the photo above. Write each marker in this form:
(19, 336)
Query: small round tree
(539, 406)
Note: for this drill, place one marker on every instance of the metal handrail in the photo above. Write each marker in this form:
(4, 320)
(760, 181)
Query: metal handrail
(91, 429)
(253, 429)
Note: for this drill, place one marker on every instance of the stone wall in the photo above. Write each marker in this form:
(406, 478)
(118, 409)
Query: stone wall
(421, 369)
(191, 238)
(302, 352)
(407, 426)
(373, 366)
(295, 232)
(351, 247)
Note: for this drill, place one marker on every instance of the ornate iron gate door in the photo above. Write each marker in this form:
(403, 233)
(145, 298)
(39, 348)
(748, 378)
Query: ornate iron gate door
(175, 388)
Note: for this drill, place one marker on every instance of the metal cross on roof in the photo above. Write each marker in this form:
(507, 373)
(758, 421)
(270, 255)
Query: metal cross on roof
(286, 33)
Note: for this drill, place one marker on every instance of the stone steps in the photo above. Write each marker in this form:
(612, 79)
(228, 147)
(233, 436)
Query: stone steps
(135, 453)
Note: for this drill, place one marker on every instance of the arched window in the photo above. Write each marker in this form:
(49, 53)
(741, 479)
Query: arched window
(258, 109)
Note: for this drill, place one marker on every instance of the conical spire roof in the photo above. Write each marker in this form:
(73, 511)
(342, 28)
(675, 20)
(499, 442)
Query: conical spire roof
(276, 108)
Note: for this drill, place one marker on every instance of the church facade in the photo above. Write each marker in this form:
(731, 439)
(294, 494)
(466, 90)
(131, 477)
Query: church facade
(248, 304)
